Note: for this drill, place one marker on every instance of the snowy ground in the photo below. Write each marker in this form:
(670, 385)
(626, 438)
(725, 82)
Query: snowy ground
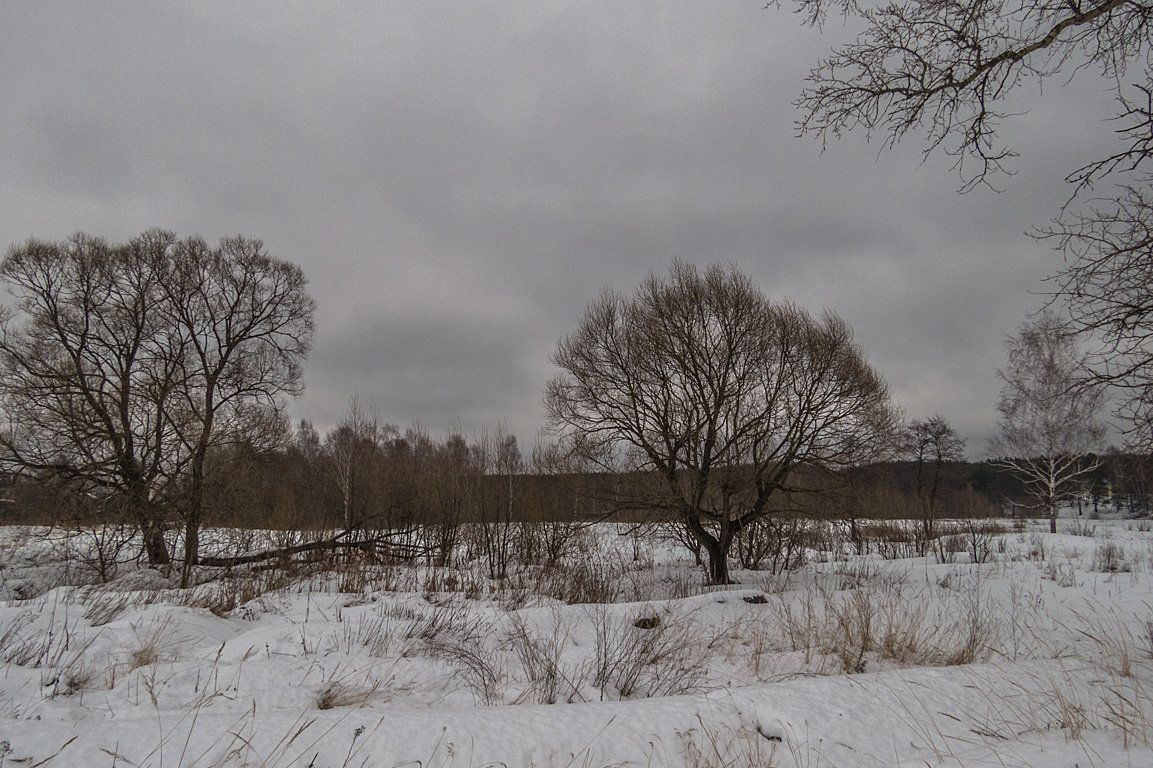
(1042, 656)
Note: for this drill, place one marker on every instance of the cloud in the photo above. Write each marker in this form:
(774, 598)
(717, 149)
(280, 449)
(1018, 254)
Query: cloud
(460, 180)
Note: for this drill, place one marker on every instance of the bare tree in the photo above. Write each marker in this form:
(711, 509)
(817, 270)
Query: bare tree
(1048, 425)
(245, 324)
(497, 455)
(1108, 287)
(123, 366)
(930, 444)
(89, 366)
(949, 68)
(352, 452)
(443, 492)
(712, 395)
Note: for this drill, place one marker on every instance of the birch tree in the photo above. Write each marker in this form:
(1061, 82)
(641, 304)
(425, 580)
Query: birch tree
(1048, 421)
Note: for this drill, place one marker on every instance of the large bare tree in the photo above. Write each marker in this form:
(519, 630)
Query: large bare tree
(1107, 285)
(953, 71)
(1048, 425)
(245, 322)
(88, 368)
(711, 395)
(122, 366)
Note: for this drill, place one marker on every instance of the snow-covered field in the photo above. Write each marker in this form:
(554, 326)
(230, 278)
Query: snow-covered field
(1041, 656)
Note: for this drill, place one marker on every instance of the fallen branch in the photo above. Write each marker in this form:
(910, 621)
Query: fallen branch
(340, 542)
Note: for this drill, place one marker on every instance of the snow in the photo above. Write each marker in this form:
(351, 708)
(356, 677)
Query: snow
(1039, 657)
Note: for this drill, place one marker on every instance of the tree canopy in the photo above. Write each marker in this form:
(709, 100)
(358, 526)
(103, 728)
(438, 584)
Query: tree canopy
(716, 394)
(122, 365)
(948, 69)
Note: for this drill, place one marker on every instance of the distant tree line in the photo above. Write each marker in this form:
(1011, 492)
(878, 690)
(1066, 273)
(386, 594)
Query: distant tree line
(414, 479)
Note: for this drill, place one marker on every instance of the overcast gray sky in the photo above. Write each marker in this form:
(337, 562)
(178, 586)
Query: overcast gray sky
(459, 180)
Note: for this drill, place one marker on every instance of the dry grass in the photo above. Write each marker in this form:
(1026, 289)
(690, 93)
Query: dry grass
(642, 659)
(864, 625)
(541, 658)
(712, 744)
(358, 688)
(58, 648)
(1109, 557)
(155, 643)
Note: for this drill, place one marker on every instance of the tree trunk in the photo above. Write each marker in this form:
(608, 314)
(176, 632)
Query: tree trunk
(717, 549)
(718, 562)
(141, 507)
(191, 550)
(152, 531)
(151, 525)
(193, 515)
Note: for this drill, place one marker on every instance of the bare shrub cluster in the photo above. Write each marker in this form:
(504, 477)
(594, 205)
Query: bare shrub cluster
(871, 624)
(641, 656)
